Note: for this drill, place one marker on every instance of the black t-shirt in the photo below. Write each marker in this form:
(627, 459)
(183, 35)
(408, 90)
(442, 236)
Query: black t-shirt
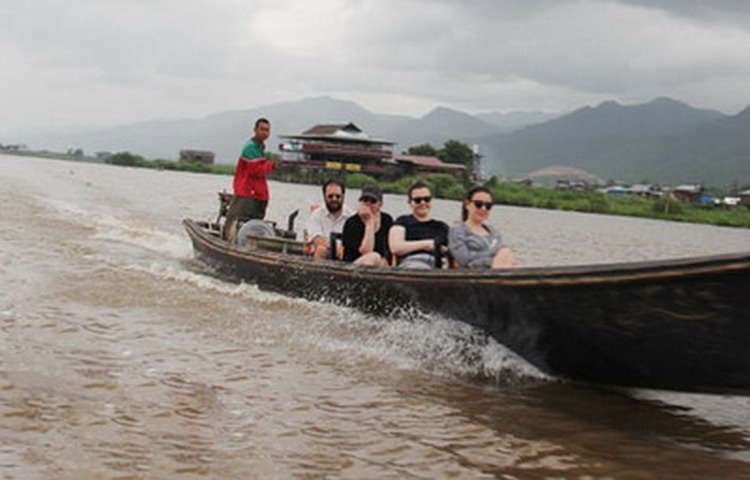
(354, 232)
(416, 230)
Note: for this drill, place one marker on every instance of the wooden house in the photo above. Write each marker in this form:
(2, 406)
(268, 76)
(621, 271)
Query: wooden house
(340, 147)
(425, 166)
(687, 193)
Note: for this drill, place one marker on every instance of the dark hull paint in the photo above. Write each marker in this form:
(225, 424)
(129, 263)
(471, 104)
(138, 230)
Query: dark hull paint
(678, 324)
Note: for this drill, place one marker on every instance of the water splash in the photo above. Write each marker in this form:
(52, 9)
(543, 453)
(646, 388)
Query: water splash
(415, 340)
(133, 233)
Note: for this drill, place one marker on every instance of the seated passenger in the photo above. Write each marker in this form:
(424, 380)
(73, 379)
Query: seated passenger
(330, 219)
(473, 243)
(413, 237)
(366, 233)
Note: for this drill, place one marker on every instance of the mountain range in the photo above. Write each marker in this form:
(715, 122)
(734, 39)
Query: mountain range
(225, 132)
(663, 141)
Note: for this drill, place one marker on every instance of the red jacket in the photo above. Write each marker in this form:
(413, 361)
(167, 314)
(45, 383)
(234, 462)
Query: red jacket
(250, 177)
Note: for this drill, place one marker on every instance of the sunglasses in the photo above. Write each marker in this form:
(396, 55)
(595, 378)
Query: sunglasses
(481, 204)
(368, 199)
(426, 199)
(333, 196)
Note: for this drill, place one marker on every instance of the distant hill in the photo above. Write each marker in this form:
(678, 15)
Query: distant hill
(224, 133)
(512, 121)
(436, 127)
(663, 141)
(715, 153)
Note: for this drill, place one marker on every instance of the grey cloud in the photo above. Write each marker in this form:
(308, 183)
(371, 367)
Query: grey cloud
(201, 56)
(693, 7)
(126, 42)
(730, 12)
(557, 46)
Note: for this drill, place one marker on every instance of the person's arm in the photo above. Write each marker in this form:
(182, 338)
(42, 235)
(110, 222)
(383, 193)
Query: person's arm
(351, 239)
(368, 239)
(400, 246)
(256, 162)
(259, 167)
(366, 243)
(315, 229)
(458, 247)
(504, 258)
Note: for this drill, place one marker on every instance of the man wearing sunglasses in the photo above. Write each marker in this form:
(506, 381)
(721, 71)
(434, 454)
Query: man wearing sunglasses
(414, 237)
(330, 219)
(366, 233)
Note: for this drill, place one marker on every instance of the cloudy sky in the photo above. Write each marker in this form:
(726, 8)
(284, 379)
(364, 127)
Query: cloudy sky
(77, 63)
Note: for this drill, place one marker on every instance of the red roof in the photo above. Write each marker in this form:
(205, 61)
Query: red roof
(427, 162)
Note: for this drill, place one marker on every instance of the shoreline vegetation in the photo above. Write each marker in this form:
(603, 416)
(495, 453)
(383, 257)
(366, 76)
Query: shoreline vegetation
(448, 187)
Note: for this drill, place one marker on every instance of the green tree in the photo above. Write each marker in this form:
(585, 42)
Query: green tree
(441, 183)
(357, 180)
(454, 151)
(125, 158)
(425, 150)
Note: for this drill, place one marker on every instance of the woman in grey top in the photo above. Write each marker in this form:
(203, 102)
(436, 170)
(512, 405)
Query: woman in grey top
(473, 243)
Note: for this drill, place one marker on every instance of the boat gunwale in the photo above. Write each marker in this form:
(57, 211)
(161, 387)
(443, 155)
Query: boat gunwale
(523, 276)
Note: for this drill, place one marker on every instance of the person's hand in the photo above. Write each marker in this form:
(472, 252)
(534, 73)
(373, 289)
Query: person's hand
(364, 212)
(440, 243)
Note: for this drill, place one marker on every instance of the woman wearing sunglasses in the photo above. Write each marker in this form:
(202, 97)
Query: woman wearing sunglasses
(473, 243)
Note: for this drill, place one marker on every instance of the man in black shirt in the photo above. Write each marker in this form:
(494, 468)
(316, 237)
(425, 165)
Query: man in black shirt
(413, 237)
(365, 234)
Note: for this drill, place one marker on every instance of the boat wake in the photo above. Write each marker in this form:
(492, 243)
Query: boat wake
(178, 273)
(141, 236)
(407, 339)
(130, 231)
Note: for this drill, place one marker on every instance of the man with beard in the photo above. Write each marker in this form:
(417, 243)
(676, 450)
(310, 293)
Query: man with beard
(330, 219)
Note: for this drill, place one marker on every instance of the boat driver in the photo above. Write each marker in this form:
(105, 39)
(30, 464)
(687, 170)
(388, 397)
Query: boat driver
(331, 219)
(250, 185)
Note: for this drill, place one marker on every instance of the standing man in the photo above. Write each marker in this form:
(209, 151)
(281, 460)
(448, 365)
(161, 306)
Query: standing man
(250, 186)
(366, 233)
(413, 238)
(324, 221)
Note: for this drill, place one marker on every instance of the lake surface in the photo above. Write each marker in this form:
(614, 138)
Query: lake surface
(121, 359)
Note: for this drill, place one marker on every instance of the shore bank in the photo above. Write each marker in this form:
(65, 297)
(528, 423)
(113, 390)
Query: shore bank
(448, 187)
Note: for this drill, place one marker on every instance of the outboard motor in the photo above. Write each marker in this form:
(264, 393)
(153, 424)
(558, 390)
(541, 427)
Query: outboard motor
(256, 228)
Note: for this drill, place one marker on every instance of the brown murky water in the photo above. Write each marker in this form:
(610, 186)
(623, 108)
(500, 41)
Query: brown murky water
(120, 359)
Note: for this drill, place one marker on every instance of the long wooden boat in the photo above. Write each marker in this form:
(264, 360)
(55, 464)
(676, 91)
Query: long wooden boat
(677, 324)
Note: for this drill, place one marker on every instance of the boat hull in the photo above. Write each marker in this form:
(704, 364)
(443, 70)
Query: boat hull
(680, 324)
